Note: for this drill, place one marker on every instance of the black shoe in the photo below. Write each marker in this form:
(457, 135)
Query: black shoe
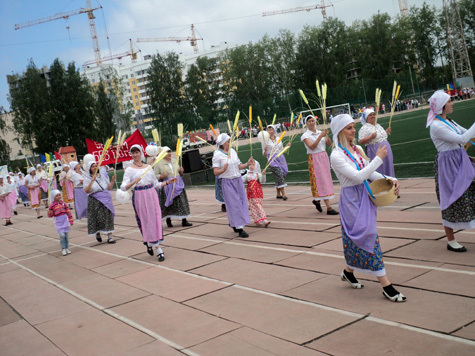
(223, 208)
(332, 212)
(8, 223)
(169, 222)
(243, 233)
(16, 213)
(110, 240)
(350, 278)
(460, 249)
(184, 222)
(317, 205)
(285, 197)
(161, 257)
(98, 237)
(149, 249)
(279, 197)
(234, 229)
(39, 217)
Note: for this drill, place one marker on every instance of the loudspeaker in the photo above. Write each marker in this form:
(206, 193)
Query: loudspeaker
(192, 161)
(207, 159)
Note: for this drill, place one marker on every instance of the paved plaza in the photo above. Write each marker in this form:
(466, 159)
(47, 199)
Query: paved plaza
(277, 292)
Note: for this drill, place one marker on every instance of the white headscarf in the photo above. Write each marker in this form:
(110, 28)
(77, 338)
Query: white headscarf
(309, 117)
(53, 193)
(142, 156)
(64, 166)
(31, 169)
(273, 126)
(166, 148)
(436, 104)
(222, 138)
(257, 167)
(365, 115)
(73, 164)
(38, 166)
(338, 123)
(89, 167)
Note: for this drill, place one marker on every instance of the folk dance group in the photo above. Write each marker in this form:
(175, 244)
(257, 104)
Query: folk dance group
(158, 194)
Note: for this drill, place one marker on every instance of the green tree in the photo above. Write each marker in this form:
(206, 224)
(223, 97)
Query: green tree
(4, 147)
(166, 91)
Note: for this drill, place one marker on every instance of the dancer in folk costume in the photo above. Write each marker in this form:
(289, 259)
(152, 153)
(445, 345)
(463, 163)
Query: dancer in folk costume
(254, 179)
(67, 185)
(100, 208)
(13, 195)
(176, 206)
(34, 195)
(373, 135)
(43, 179)
(227, 166)
(63, 219)
(22, 189)
(80, 197)
(321, 182)
(278, 167)
(357, 212)
(454, 170)
(145, 200)
(5, 201)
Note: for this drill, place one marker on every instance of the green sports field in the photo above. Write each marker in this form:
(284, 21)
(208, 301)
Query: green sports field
(412, 147)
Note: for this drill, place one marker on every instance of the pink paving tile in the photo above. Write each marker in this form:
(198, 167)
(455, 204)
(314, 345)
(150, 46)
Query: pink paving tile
(467, 332)
(411, 215)
(92, 258)
(435, 251)
(285, 319)
(261, 276)
(291, 238)
(121, 268)
(93, 332)
(7, 314)
(214, 230)
(171, 284)
(46, 303)
(252, 252)
(186, 241)
(58, 268)
(353, 340)
(450, 314)
(447, 282)
(177, 322)
(245, 341)
(20, 338)
(13, 250)
(7, 267)
(152, 349)
(124, 247)
(105, 291)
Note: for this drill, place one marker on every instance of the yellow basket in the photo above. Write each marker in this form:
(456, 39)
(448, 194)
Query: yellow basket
(383, 191)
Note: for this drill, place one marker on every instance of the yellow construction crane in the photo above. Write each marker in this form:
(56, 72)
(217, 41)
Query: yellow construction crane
(191, 39)
(65, 15)
(132, 53)
(321, 6)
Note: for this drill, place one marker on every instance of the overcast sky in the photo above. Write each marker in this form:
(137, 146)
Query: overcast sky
(216, 21)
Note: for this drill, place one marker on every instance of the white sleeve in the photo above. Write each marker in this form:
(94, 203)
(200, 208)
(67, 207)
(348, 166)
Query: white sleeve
(125, 179)
(343, 167)
(216, 161)
(446, 134)
(262, 178)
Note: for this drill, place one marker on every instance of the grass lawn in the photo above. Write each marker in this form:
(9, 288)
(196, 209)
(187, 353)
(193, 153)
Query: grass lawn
(412, 147)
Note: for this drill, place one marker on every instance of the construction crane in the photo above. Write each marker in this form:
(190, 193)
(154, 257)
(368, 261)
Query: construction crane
(460, 62)
(65, 15)
(191, 39)
(403, 8)
(132, 53)
(321, 6)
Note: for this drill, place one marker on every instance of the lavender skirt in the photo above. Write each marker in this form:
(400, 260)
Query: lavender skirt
(455, 188)
(23, 191)
(236, 202)
(62, 223)
(387, 168)
(80, 203)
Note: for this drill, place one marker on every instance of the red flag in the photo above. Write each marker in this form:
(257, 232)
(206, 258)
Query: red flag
(57, 155)
(95, 148)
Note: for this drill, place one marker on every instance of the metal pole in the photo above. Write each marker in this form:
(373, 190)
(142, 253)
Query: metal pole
(364, 91)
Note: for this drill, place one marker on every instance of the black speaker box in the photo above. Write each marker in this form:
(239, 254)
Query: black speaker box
(192, 161)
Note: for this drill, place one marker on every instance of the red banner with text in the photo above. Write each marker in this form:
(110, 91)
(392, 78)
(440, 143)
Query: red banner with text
(95, 148)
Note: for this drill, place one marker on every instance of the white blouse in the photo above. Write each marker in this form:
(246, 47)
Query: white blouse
(131, 174)
(368, 130)
(220, 159)
(5, 188)
(76, 178)
(99, 185)
(313, 136)
(347, 173)
(42, 174)
(272, 147)
(446, 139)
(254, 176)
(32, 180)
